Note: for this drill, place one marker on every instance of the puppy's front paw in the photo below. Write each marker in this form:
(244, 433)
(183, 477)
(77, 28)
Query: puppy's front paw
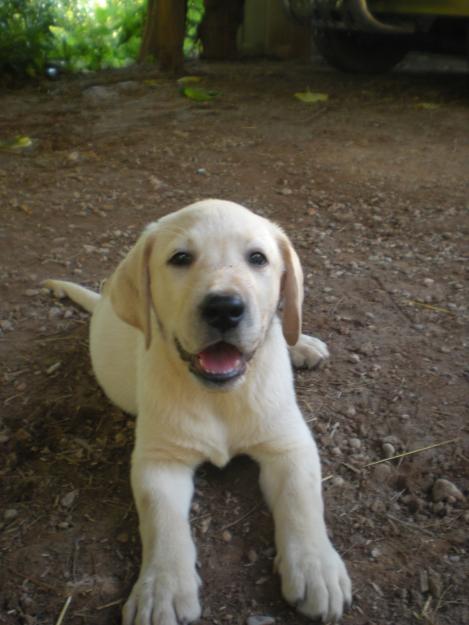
(163, 598)
(315, 581)
(309, 352)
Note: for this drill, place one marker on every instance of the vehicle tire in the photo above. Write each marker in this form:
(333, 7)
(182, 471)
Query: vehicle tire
(359, 52)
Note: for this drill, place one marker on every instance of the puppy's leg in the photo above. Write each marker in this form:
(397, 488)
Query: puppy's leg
(314, 578)
(166, 592)
(309, 352)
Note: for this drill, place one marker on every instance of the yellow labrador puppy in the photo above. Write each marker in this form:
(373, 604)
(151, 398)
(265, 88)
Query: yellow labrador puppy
(186, 335)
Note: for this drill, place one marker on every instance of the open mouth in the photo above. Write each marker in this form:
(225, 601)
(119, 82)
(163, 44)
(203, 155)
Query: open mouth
(218, 363)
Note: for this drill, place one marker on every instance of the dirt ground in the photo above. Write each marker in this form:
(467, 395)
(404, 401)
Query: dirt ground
(372, 187)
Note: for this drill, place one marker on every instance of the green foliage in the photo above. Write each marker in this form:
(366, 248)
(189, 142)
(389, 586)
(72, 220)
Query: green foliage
(91, 36)
(25, 39)
(81, 35)
(195, 11)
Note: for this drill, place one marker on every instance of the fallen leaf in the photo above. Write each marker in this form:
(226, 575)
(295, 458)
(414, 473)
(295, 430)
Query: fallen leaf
(198, 95)
(311, 97)
(188, 80)
(18, 143)
(428, 106)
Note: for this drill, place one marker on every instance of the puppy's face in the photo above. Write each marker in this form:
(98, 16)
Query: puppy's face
(213, 274)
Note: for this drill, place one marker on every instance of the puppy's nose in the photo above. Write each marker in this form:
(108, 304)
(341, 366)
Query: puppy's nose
(222, 312)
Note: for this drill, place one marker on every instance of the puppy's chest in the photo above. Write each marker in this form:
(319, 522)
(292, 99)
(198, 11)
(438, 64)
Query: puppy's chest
(217, 439)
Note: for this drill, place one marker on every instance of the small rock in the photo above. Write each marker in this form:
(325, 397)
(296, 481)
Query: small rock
(354, 358)
(202, 171)
(10, 514)
(68, 500)
(428, 282)
(351, 411)
(375, 552)
(366, 349)
(122, 538)
(6, 325)
(382, 472)
(129, 87)
(336, 451)
(99, 95)
(444, 490)
(227, 536)
(55, 312)
(252, 556)
(32, 292)
(260, 620)
(388, 450)
(355, 443)
(337, 480)
(286, 191)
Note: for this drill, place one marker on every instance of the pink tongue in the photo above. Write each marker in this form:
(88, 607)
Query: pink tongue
(220, 358)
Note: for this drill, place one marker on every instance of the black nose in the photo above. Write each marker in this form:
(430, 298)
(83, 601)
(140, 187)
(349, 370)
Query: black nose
(222, 312)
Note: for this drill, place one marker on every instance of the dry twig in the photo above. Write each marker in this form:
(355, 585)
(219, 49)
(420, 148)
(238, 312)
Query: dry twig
(64, 611)
(410, 453)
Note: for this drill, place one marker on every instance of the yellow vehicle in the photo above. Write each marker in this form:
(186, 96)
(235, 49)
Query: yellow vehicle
(374, 35)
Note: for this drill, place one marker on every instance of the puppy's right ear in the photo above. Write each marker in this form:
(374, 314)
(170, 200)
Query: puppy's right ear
(130, 286)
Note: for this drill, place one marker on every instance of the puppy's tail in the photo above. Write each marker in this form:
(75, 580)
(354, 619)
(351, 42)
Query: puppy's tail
(83, 297)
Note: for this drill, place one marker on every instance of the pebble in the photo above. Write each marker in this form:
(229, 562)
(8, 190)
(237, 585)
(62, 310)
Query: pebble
(227, 536)
(367, 348)
(382, 472)
(428, 282)
(10, 514)
(446, 490)
(354, 358)
(98, 94)
(55, 312)
(260, 620)
(32, 292)
(351, 411)
(355, 443)
(388, 450)
(338, 481)
(286, 191)
(6, 325)
(252, 556)
(68, 499)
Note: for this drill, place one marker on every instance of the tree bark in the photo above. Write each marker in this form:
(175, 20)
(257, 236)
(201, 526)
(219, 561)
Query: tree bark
(163, 35)
(219, 28)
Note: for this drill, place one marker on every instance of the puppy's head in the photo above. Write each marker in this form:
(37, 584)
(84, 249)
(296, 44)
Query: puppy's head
(212, 276)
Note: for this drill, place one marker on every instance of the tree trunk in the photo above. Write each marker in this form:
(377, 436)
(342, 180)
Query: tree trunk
(163, 35)
(219, 28)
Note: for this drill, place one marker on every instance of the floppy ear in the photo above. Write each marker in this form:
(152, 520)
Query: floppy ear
(292, 291)
(129, 287)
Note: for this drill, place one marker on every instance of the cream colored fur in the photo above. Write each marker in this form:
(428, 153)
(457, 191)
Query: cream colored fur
(181, 423)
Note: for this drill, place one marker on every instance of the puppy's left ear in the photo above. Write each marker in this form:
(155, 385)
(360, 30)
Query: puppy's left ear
(292, 291)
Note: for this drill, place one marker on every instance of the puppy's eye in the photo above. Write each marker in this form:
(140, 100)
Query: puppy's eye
(257, 258)
(181, 259)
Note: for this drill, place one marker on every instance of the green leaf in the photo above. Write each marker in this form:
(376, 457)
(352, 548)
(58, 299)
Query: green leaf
(20, 142)
(311, 97)
(187, 80)
(198, 95)
(428, 106)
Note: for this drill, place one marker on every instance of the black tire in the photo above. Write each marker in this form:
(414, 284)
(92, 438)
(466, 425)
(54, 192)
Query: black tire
(359, 53)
